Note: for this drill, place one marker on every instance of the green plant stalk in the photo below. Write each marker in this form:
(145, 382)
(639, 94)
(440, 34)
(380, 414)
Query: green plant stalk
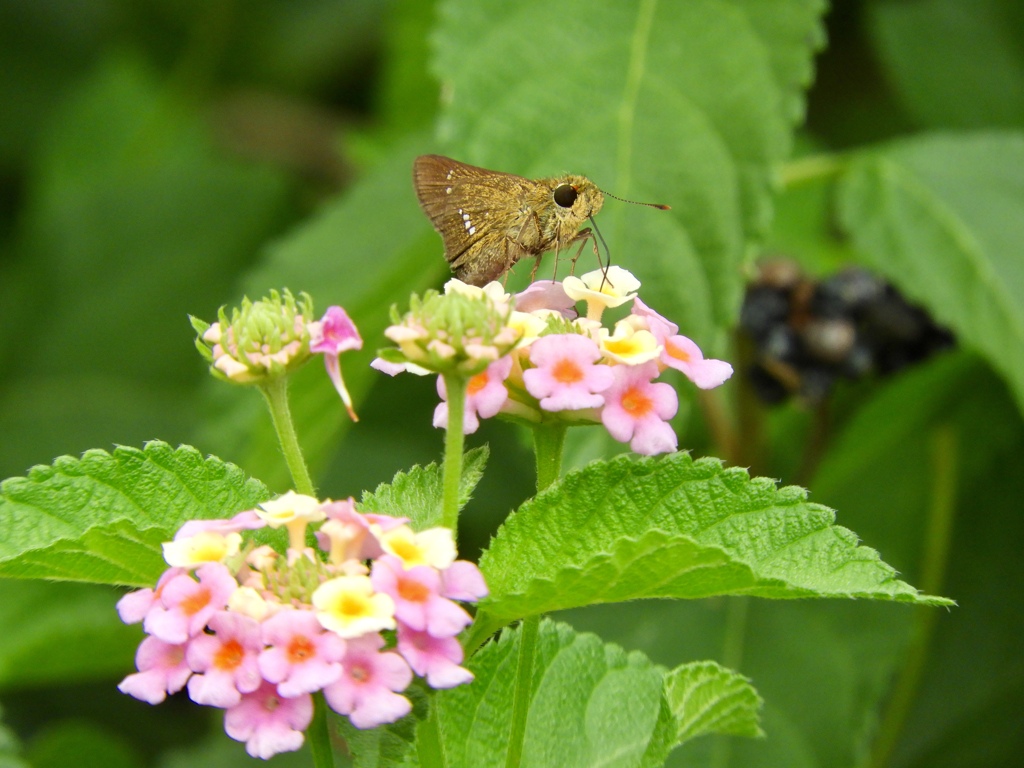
(812, 168)
(938, 535)
(737, 610)
(548, 445)
(275, 392)
(319, 738)
(428, 743)
(454, 440)
(529, 630)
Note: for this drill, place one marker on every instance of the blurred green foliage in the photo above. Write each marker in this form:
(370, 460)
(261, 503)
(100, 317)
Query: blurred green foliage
(161, 157)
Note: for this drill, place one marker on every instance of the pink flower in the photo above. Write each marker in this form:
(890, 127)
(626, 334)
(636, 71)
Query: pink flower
(681, 353)
(485, 394)
(660, 326)
(162, 670)
(367, 689)
(636, 409)
(684, 355)
(269, 723)
(333, 334)
(302, 657)
(566, 377)
(418, 603)
(436, 658)
(546, 294)
(462, 580)
(228, 658)
(243, 521)
(347, 534)
(133, 607)
(187, 604)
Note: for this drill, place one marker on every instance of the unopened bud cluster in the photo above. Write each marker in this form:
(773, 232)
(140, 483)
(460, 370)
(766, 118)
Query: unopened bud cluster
(461, 331)
(260, 340)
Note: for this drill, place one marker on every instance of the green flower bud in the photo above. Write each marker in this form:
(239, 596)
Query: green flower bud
(262, 340)
(460, 331)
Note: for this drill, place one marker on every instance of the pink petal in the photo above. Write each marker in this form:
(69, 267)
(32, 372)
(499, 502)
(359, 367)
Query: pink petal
(133, 607)
(653, 437)
(214, 690)
(546, 294)
(149, 686)
(381, 707)
(462, 580)
(660, 326)
(334, 333)
(243, 521)
(445, 618)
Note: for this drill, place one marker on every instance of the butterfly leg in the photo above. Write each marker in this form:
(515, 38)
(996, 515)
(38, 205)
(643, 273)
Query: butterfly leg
(582, 237)
(521, 241)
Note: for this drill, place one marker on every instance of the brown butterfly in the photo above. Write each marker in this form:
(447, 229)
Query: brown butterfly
(490, 220)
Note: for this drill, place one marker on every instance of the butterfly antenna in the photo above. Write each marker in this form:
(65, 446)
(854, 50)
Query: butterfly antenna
(659, 206)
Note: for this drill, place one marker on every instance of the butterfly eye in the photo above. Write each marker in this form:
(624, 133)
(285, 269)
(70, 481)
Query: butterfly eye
(565, 195)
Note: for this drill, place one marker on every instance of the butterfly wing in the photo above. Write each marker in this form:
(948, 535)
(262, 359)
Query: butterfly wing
(474, 210)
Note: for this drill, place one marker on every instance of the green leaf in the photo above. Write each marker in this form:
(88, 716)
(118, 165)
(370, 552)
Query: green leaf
(103, 517)
(826, 669)
(131, 218)
(408, 94)
(61, 634)
(83, 745)
(708, 698)
(954, 64)
(674, 527)
(130, 184)
(943, 218)
(689, 104)
(590, 704)
(418, 493)
(9, 747)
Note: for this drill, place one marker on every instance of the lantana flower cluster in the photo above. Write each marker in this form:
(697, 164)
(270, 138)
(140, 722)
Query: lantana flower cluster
(257, 633)
(559, 364)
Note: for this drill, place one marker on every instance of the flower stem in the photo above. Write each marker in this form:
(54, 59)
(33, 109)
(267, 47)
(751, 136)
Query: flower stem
(428, 743)
(455, 387)
(812, 168)
(528, 632)
(548, 444)
(938, 535)
(319, 738)
(275, 393)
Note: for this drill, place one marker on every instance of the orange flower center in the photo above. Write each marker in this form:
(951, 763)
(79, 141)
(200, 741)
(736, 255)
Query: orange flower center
(677, 352)
(413, 591)
(195, 602)
(477, 383)
(636, 403)
(229, 656)
(567, 372)
(300, 649)
(359, 673)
